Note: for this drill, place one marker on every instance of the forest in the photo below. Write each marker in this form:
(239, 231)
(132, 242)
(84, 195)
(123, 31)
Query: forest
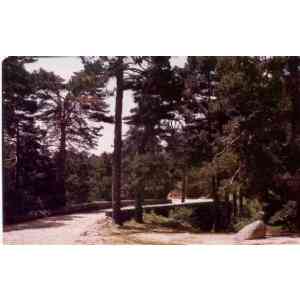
(226, 128)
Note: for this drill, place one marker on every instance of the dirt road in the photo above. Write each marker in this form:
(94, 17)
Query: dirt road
(64, 229)
(95, 229)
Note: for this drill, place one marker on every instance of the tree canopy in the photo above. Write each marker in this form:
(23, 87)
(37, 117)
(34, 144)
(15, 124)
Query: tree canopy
(217, 126)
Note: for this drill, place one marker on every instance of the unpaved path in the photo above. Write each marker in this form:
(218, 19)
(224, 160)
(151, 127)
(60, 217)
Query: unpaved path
(66, 229)
(94, 229)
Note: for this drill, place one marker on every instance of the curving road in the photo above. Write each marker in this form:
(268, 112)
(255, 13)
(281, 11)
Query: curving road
(58, 230)
(64, 229)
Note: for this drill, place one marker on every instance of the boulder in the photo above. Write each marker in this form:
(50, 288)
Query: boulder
(255, 230)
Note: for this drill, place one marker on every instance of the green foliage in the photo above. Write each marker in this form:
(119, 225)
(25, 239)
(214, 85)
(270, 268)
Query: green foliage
(286, 216)
(44, 116)
(88, 178)
(100, 179)
(184, 218)
(229, 123)
(156, 219)
(78, 172)
(158, 171)
(182, 215)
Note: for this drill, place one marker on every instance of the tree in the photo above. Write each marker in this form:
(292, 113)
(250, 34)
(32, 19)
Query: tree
(201, 111)
(292, 81)
(21, 135)
(157, 92)
(121, 68)
(257, 128)
(73, 113)
(101, 178)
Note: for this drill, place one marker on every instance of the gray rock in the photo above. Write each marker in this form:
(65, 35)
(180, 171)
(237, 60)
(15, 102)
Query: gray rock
(255, 230)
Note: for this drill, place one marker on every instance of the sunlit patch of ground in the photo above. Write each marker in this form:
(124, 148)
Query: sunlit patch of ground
(104, 232)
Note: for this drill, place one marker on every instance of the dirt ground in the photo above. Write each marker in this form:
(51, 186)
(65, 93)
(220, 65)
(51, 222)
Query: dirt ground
(56, 230)
(104, 232)
(96, 229)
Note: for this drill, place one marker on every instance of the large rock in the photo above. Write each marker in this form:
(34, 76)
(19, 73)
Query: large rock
(255, 230)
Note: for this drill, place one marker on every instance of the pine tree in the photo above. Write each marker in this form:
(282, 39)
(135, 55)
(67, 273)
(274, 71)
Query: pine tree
(157, 93)
(73, 113)
(121, 68)
(20, 130)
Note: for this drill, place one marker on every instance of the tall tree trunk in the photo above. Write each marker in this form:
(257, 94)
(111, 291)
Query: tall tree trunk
(117, 155)
(215, 187)
(184, 184)
(228, 210)
(241, 202)
(215, 196)
(18, 189)
(61, 195)
(140, 195)
(139, 199)
(234, 202)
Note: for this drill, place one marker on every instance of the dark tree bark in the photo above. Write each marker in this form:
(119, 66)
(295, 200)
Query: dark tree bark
(140, 196)
(18, 189)
(228, 208)
(139, 199)
(241, 202)
(117, 154)
(235, 207)
(215, 187)
(217, 203)
(61, 193)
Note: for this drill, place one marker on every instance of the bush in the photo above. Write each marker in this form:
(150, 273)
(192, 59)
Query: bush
(198, 218)
(182, 214)
(156, 219)
(286, 217)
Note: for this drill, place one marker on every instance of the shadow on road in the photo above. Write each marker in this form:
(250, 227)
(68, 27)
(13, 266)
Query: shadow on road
(55, 221)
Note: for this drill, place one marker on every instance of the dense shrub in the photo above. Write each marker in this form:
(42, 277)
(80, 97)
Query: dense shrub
(286, 216)
(157, 219)
(182, 214)
(193, 218)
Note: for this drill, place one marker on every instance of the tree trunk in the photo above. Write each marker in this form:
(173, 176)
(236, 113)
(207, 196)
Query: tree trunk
(18, 189)
(215, 196)
(139, 199)
(215, 187)
(140, 196)
(184, 184)
(241, 202)
(234, 202)
(117, 155)
(61, 193)
(228, 210)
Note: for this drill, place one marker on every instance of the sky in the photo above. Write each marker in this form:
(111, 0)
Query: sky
(66, 66)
